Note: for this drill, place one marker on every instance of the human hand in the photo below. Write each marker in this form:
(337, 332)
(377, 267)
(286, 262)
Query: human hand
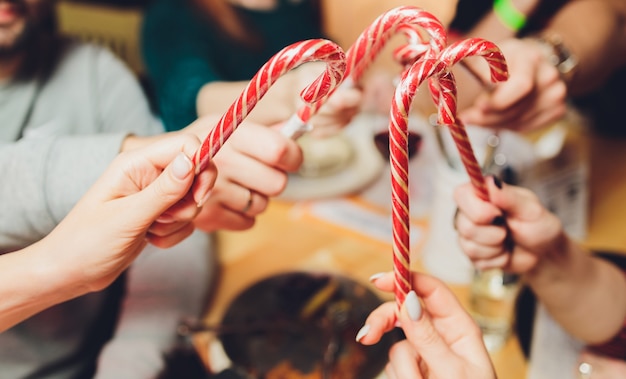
(483, 227)
(337, 112)
(378, 91)
(442, 339)
(534, 96)
(601, 367)
(339, 108)
(253, 166)
(135, 201)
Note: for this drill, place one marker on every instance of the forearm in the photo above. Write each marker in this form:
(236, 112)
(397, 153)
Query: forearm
(276, 106)
(586, 295)
(32, 282)
(598, 42)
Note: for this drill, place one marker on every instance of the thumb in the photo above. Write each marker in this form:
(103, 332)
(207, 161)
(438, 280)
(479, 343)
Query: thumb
(513, 200)
(423, 335)
(168, 188)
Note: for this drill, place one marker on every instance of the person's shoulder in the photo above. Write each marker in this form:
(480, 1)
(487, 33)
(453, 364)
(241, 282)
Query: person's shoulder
(93, 58)
(88, 51)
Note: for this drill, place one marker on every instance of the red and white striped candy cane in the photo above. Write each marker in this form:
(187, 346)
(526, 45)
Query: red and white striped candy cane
(367, 47)
(372, 40)
(283, 61)
(416, 47)
(399, 160)
(443, 91)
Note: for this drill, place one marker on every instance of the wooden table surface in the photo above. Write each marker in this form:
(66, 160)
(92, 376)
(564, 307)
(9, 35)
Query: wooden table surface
(286, 238)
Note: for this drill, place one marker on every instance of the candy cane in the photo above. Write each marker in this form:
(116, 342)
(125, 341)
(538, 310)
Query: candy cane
(399, 160)
(443, 94)
(367, 47)
(283, 61)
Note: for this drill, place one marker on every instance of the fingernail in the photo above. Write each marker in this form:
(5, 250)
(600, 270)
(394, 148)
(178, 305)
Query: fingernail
(182, 166)
(165, 219)
(497, 182)
(203, 200)
(498, 221)
(362, 332)
(413, 306)
(376, 276)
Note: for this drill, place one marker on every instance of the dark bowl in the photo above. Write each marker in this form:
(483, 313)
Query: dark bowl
(303, 325)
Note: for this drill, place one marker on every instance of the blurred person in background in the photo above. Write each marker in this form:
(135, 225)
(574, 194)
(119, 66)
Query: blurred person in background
(105, 231)
(68, 109)
(200, 55)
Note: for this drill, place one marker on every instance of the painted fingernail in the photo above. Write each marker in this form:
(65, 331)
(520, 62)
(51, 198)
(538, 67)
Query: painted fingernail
(497, 182)
(498, 221)
(182, 166)
(376, 276)
(362, 332)
(413, 306)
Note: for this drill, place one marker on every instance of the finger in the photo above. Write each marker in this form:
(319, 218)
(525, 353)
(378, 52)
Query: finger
(440, 301)
(514, 201)
(379, 322)
(422, 334)
(161, 229)
(267, 145)
(203, 184)
(543, 106)
(489, 235)
(237, 198)
(384, 281)
(254, 172)
(183, 210)
(444, 329)
(164, 242)
(477, 252)
(404, 361)
(499, 261)
(389, 372)
(217, 217)
(506, 94)
(480, 212)
(167, 189)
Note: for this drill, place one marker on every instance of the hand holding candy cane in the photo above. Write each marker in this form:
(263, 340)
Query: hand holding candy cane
(367, 47)
(283, 61)
(444, 94)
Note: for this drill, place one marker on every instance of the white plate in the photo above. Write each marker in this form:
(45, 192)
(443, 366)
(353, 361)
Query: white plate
(365, 167)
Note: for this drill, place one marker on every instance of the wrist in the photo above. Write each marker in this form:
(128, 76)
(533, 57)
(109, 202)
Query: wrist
(551, 263)
(557, 54)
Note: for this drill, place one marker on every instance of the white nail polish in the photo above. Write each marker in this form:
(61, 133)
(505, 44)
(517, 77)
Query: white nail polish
(362, 332)
(413, 306)
(376, 276)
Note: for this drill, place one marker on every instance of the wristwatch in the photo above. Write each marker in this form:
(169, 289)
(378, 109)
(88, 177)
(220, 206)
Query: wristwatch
(559, 55)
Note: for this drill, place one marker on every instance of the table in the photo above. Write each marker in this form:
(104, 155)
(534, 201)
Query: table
(308, 243)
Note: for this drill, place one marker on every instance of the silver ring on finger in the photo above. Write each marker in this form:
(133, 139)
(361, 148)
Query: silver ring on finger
(584, 370)
(248, 205)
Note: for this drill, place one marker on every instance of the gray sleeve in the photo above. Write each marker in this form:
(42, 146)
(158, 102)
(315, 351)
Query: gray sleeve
(48, 176)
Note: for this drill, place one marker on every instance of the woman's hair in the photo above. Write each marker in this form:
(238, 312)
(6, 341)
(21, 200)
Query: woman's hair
(226, 18)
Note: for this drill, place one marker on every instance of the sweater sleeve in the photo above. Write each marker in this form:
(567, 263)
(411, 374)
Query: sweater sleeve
(41, 190)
